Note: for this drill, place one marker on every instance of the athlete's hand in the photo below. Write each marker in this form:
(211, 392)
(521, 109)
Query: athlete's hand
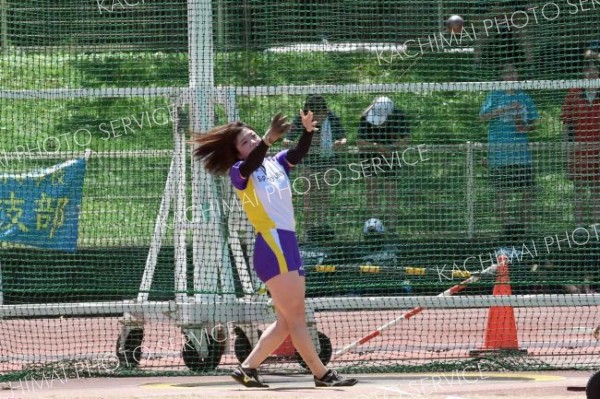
(279, 126)
(308, 122)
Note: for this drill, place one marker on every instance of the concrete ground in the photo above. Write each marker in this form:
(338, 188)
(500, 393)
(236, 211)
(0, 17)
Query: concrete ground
(371, 386)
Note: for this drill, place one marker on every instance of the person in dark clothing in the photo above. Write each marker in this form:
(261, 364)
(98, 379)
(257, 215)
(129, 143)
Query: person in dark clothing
(383, 129)
(323, 157)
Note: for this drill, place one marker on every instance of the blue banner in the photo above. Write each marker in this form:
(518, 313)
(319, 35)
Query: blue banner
(41, 208)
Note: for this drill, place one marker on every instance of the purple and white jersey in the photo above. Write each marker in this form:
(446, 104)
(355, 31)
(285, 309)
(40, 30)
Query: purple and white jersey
(266, 195)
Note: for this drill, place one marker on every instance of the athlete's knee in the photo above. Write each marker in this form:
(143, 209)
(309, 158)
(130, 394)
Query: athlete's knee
(295, 319)
(281, 325)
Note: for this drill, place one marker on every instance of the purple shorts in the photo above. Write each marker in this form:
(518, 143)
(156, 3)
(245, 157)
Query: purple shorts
(276, 252)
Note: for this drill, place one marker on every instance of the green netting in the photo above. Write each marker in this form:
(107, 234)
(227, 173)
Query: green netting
(160, 280)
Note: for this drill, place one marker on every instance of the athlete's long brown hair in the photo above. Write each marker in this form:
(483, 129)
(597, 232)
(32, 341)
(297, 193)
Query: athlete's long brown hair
(216, 148)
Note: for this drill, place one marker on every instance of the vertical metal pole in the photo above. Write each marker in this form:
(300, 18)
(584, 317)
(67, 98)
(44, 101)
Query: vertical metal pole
(233, 114)
(440, 17)
(1, 287)
(4, 24)
(201, 63)
(209, 243)
(470, 189)
(178, 193)
(220, 25)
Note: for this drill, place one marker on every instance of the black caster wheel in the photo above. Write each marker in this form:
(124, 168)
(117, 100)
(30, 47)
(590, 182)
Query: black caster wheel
(592, 390)
(325, 352)
(131, 352)
(197, 363)
(241, 346)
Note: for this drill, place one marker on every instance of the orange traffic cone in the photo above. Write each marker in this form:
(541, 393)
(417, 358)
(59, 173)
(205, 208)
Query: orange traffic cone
(501, 329)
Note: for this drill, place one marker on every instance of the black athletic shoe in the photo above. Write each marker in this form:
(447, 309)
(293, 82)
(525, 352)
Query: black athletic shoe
(333, 379)
(248, 377)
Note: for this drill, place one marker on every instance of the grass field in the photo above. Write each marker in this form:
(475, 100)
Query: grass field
(435, 192)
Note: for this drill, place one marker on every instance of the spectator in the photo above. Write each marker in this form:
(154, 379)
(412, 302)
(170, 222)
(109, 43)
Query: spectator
(581, 122)
(322, 157)
(503, 34)
(511, 115)
(584, 288)
(382, 129)
(592, 52)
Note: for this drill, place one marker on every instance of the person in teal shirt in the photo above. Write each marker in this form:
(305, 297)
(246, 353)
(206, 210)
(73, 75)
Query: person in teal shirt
(511, 114)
